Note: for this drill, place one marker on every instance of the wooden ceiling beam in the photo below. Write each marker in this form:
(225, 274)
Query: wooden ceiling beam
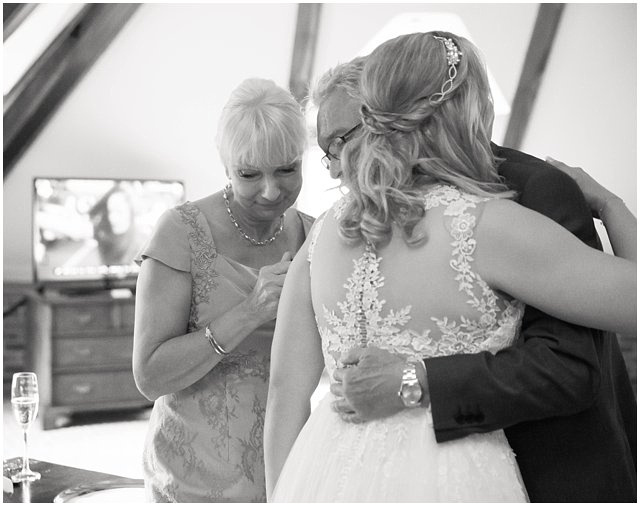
(35, 98)
(535, 63)
(304, 49)
(12, 17)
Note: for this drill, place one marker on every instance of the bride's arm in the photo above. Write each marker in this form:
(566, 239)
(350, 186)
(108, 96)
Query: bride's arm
(621, 227)
(296, 366)
(619, 221)
(534, 259)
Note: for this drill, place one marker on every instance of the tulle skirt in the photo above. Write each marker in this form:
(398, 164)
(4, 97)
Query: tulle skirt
(395, 460)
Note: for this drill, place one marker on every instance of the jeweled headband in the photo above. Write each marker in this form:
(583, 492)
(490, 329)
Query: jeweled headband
(453, 58)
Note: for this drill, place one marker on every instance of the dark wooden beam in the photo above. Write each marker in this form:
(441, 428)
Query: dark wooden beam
(32, 102)
(535, 63)
(12, 16)
(8, 10)
(304, 49)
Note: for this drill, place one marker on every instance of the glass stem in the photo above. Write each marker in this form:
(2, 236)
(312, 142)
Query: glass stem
(25, 457)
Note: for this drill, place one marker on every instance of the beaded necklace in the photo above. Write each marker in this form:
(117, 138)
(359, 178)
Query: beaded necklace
(242, 232)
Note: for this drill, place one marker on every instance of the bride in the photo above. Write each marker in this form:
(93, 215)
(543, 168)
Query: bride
(426, 256)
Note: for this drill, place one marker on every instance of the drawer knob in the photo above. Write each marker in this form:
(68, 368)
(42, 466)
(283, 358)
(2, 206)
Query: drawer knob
(83, 352)
(82, 389)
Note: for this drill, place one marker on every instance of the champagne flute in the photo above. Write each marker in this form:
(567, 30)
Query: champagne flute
(24, 401)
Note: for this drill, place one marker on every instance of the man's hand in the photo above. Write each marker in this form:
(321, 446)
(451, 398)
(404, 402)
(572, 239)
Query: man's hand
(367, 385)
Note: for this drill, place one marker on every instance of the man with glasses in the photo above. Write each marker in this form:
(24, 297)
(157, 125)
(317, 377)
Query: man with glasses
(337, 96)
(561, 393)
(332, 153)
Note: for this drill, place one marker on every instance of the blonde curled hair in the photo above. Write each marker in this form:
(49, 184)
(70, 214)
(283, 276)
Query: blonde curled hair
(409, 141)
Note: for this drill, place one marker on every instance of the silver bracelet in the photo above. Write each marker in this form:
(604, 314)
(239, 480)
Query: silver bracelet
(212, 341)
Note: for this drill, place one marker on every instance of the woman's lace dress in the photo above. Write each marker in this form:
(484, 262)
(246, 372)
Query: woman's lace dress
(419, 302)
(204, 442)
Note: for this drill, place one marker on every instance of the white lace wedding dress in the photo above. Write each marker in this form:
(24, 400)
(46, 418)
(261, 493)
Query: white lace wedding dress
(403, 300)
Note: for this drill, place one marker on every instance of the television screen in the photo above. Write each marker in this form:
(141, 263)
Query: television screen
(91, 229)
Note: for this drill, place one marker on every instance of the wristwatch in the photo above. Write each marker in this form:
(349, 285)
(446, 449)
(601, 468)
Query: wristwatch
(410, 390)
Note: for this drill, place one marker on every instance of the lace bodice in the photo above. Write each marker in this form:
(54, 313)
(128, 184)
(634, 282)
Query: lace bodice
(205, 441)
(361, 316)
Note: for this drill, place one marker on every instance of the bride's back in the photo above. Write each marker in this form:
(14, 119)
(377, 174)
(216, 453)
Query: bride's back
(426, 300)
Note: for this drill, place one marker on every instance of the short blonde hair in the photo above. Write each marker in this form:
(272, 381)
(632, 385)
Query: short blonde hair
(261, 125)
(345, 76)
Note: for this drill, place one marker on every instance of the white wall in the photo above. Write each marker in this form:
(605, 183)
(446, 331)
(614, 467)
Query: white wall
(149, 106)
(586, 108)
(346, 28)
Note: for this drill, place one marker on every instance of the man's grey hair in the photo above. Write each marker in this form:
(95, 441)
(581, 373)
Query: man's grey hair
(345, 76)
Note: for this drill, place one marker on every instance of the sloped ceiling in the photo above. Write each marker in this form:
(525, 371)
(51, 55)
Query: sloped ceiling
(52, 77)
(44, 87)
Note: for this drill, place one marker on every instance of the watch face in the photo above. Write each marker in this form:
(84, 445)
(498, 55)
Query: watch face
(411, 394)
(410, 389)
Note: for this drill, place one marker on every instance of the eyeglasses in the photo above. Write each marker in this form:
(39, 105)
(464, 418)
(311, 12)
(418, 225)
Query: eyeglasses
(336, 145)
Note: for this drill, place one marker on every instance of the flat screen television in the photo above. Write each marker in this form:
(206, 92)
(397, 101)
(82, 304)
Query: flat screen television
(87, 232)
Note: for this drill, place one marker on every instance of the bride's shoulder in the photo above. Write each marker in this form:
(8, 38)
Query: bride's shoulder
(503, 211)
(504, 221)
(502, 207)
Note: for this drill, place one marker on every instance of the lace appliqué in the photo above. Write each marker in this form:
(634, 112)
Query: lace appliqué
(203, 258)
(315, 232)
(360, 323)
(337, 208)
(360, 314)
(499, 318)
(252, 456)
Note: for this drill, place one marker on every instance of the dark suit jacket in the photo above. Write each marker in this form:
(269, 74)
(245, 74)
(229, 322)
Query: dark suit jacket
(562, 392)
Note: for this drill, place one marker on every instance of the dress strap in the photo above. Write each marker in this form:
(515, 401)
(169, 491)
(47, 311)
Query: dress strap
(315, 232)
(462, 209)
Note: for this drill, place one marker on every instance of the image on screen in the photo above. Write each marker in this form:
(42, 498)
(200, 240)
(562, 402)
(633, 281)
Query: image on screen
(90, 229)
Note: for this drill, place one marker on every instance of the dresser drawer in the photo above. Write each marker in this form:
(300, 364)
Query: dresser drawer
(78, 318)
(16, 318)
(13, 337)
(94, 388)
(92, 351)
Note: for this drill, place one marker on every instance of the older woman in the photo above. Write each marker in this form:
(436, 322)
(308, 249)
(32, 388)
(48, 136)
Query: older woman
(207, 296)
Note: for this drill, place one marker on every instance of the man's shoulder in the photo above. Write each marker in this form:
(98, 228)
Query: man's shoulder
(519, 166)
(514, 155)
(543, 188)
(530, 175)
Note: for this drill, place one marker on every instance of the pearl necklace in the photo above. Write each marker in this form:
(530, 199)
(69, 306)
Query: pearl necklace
(242, 232)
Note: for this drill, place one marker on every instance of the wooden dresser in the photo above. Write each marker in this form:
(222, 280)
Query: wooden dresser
(14, 326)
(80, 346)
